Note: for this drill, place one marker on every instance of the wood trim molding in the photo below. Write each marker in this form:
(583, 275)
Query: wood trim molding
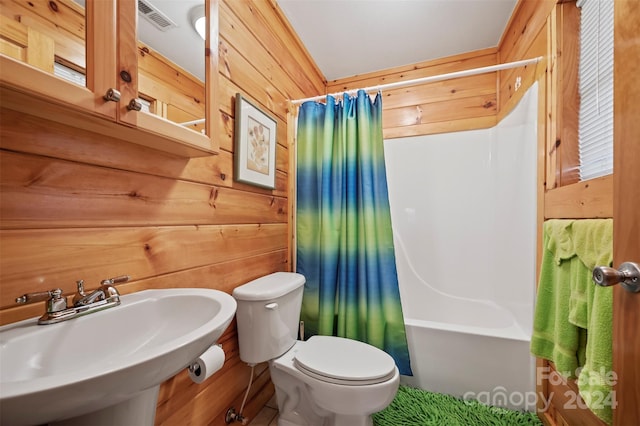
(588, 199)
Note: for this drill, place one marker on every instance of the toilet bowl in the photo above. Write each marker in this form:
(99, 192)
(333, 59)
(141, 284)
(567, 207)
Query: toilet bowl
(341, 395)
(324, 381)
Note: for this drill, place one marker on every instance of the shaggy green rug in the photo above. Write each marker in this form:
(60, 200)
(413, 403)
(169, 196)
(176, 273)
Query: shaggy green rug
(413, 407)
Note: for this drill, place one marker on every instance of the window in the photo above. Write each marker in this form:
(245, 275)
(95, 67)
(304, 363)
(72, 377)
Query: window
(595, 123)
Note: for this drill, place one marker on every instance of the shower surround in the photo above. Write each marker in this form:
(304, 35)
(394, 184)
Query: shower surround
(463, 208)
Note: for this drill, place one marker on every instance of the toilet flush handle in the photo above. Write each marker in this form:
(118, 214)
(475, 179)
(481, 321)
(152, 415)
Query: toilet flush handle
(271, 306)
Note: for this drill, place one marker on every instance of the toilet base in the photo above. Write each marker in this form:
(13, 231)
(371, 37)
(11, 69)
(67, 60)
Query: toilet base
(306, 401)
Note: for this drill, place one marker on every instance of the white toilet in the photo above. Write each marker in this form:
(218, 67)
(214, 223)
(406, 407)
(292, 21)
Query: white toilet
(324, 381)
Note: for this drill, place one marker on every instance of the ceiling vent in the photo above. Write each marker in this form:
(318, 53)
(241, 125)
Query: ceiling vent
(154, 16)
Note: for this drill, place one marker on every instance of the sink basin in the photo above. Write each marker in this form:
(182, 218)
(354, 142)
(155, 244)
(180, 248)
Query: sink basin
(97, 363)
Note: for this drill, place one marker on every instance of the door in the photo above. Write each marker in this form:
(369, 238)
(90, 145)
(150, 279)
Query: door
(626, 208)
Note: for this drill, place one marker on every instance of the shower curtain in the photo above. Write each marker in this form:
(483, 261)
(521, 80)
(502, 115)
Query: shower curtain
(343, 229)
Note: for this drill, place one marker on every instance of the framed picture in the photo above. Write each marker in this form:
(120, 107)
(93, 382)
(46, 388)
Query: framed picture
(255, 145)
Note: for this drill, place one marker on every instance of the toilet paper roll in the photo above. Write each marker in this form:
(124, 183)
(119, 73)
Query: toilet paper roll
(206, 364)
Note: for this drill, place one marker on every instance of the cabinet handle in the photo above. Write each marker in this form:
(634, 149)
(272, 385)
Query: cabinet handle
(112, 95)
(134, 105)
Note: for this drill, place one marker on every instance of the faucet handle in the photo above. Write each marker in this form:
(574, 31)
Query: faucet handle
(80, 293)
(55, 300)
(116, 280)
(38, 297)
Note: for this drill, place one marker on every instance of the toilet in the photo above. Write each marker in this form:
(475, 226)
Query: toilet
(323, 381)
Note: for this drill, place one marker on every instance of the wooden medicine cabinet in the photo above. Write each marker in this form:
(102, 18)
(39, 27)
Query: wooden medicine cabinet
(79, 62)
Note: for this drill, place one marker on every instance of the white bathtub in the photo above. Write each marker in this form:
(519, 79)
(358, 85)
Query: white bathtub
(463, 208)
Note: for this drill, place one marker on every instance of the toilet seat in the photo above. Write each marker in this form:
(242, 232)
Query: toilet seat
(344, 361)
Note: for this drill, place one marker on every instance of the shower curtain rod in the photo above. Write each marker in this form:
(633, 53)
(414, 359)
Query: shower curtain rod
(429, 79)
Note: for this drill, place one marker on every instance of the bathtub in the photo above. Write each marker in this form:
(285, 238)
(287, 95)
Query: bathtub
(463, 210)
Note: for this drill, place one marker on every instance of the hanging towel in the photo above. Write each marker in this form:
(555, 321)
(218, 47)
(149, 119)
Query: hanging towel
(593, 240)
(554, 337)
(593, 244)
(570, 306)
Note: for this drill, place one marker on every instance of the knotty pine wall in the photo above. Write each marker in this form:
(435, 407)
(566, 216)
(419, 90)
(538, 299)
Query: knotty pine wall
(444, 106)
(78, 205)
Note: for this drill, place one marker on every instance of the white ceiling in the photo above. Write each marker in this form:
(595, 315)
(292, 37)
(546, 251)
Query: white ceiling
(350, 37)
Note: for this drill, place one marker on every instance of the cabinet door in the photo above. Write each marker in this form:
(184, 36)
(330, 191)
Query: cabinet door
(62, 51)
(160, 93)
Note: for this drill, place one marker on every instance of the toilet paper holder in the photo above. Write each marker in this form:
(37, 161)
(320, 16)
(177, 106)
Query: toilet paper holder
(194, 367)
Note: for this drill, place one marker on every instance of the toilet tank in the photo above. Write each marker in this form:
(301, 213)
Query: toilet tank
(268, 315)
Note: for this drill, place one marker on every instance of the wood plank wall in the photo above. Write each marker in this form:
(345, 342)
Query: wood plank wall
(78, 205)
(444, 106)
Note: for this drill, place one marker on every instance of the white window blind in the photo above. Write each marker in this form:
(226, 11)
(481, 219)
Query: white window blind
(595, 123)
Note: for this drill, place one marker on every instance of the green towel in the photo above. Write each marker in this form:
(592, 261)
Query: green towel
(554, 337)
(592, 244)
(570, 305)
(593, 241)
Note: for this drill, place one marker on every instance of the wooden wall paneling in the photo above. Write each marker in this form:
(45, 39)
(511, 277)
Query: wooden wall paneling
(40, 192)
(527, 19)
(27, 44)
(40, 50)
(13, 31)
(450, 105)
(29, 134)
(12, 50)
(208, 403)
(552, 157)
(228, 90)
(156, 66)
(264, 390)
(568, 33)
(446, 90)
(188, 99)
(64, 23)
(281, 42)
(464, 61)
(313, 81)
(588, 199)
(213, 126)
(508, 95)
(565, 397)
(441, 127)
(243, 74)
(476, 106)
(58, 258)
(258, 74)
(559, 36)
(222, 275)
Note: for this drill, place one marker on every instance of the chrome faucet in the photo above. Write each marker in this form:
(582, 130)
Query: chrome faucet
(106, 292)
(57, 310)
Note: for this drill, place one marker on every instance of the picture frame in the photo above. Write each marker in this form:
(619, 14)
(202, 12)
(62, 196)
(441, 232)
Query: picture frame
(255, 145)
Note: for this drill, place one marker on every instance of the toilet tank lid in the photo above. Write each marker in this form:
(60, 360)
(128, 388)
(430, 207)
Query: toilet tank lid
(269, 287)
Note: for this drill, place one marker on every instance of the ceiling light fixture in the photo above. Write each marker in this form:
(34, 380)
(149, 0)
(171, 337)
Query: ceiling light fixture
(199, 21)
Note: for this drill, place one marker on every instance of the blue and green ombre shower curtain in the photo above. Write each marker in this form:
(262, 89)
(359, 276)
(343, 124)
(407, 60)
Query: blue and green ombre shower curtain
(344, 238)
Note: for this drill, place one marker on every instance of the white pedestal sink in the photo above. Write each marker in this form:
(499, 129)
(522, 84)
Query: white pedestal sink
(106, 368)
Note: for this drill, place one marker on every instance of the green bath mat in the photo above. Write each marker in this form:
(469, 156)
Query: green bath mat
(416, 407)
